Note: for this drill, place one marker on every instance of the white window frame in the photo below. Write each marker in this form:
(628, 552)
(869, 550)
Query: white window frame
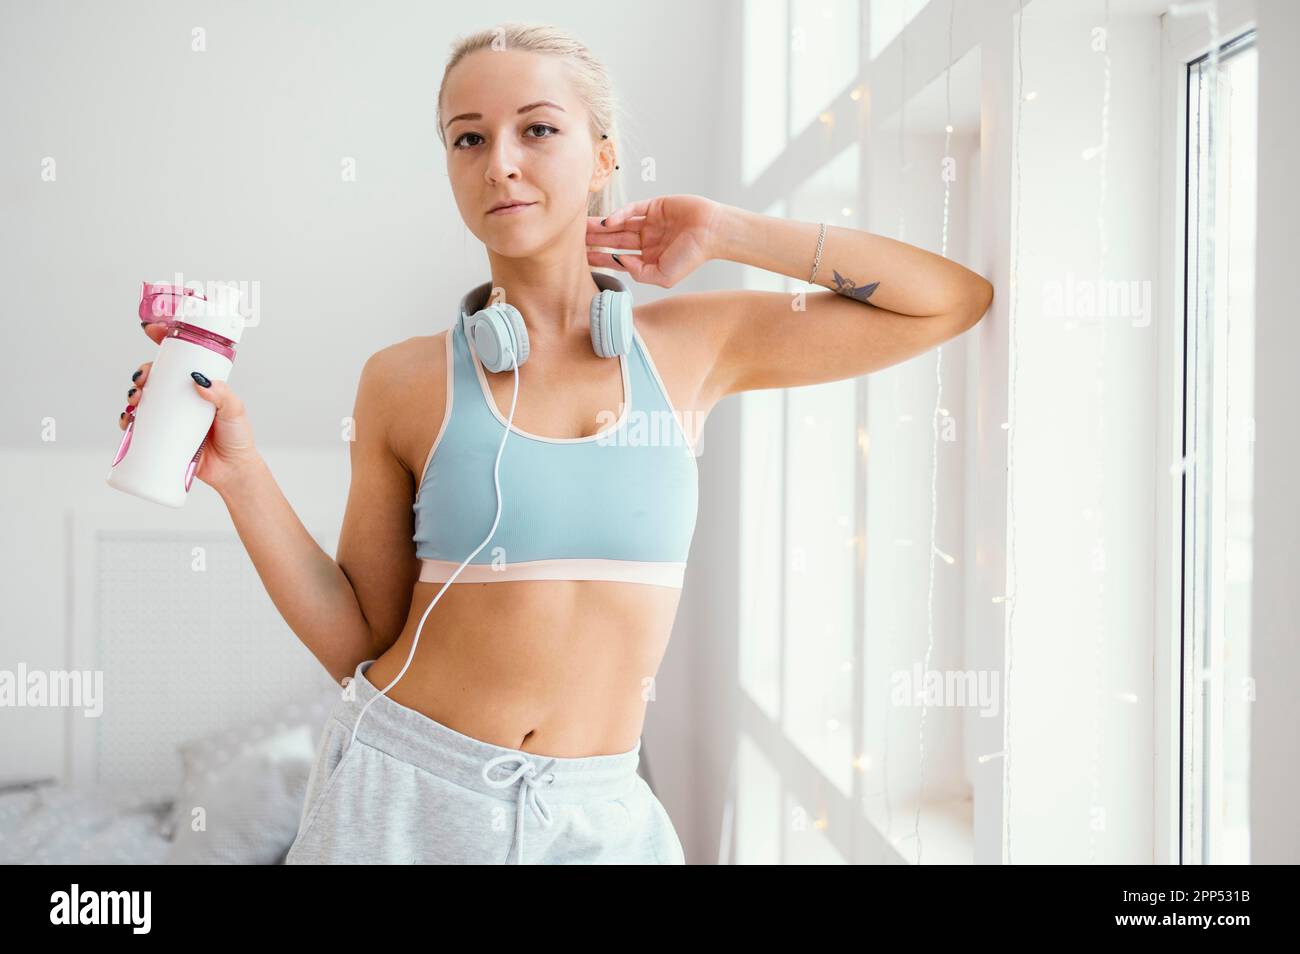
(1184, 40)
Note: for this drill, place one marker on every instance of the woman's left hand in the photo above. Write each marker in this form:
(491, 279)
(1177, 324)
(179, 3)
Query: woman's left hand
(673, 234)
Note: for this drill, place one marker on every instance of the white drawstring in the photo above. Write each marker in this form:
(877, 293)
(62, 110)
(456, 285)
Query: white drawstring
(530, 784)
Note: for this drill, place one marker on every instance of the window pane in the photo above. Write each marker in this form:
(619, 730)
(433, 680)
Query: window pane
(765, 68)
(820, 551)
(1220, 438)
(824, 42)
(762, 489)
(759, 818)
(820, 546)
(806, 838)
(888, 17)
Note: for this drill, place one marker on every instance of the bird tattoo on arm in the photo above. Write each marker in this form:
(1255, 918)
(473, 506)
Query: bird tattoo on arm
(850, 289)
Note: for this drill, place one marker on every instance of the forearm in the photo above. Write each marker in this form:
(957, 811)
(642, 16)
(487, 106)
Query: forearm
(304, 582)
(894, 275)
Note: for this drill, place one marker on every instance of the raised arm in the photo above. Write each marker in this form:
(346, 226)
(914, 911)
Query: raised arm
(887, 301)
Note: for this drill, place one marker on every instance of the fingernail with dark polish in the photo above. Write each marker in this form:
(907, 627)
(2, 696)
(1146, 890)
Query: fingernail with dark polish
(136, 376)
(616, 258)
(201, 378)
(131, 392)
(602, 221)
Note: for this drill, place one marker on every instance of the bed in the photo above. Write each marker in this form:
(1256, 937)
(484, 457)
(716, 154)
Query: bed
(210, 709)
(237, 799)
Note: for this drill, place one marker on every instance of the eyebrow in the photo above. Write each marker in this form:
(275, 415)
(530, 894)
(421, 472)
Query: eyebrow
(520, 111)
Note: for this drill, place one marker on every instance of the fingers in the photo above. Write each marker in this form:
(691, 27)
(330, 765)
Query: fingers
(626, 234)
(618, 217)
(137, 383)
(620, 240)
(229, 406)
(157, 331)
(133, 393)
(602, 260)
(629, 263)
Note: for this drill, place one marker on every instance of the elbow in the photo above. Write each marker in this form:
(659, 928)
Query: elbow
(983, 296)
(976, 303)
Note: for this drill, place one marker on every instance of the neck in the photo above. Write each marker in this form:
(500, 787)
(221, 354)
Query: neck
(553, 295)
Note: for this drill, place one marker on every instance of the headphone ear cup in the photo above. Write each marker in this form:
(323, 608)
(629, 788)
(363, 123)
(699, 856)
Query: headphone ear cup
(611, 323)
(499, 330)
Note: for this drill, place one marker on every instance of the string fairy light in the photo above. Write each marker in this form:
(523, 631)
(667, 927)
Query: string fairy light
(934, 450)
(902, 418)
(1010, 426)
(1098, 819)
(902, 125)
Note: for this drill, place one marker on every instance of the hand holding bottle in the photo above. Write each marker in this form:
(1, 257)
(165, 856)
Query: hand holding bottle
(229, 445)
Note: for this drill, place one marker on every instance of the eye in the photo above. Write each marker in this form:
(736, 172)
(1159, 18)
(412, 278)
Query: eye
(456, 143)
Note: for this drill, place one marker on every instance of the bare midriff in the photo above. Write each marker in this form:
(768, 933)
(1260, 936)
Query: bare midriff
(553, 667)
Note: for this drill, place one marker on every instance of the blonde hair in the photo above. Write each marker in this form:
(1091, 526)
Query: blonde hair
(587, 74)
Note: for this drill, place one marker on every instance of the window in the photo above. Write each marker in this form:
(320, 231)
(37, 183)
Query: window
(888, 18)
(1218, 433)
(827, 768)
(799, 55)
(765, 74)
(820, 541)
(823, 55)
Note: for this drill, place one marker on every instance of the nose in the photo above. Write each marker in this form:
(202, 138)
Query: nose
(501, 163)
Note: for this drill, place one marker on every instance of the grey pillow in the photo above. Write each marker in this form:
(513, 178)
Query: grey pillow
(203, 758)
(246, 811)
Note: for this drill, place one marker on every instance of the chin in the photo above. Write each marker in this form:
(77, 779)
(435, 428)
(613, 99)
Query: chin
(516, 243)
(511, 248)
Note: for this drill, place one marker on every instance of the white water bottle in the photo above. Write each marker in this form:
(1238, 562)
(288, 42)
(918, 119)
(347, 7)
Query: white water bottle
(160, 449)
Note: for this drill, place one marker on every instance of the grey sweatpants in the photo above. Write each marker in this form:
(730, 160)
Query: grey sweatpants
(410, 790)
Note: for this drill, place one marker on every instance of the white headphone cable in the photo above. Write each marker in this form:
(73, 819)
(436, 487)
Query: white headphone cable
(496, 479)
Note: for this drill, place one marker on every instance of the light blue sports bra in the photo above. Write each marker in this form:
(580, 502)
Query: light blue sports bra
(618, 505)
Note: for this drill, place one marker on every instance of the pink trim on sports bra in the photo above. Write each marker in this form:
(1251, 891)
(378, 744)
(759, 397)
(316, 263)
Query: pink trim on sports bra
(621, 571)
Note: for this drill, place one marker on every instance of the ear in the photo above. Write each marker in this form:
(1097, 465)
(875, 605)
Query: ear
(606, 163)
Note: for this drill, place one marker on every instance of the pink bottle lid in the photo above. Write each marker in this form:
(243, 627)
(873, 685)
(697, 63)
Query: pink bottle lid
(161, 302)
(217, 320)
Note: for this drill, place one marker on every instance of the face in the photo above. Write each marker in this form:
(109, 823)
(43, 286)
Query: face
(515, 130)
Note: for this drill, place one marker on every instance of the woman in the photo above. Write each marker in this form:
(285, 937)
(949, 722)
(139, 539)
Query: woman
(517, 725)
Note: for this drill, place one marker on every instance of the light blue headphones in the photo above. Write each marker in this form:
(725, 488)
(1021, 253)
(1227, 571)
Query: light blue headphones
(498, 330)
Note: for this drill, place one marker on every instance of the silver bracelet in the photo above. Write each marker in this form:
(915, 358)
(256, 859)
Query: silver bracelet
(821, 238)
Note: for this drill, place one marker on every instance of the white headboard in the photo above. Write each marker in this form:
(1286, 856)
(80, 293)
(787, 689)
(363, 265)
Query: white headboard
(188, 641)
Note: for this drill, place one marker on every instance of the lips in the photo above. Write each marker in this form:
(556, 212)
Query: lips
(511, 209)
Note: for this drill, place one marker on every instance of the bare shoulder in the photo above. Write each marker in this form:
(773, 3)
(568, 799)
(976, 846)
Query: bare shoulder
(405, 386)
(407, 356)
